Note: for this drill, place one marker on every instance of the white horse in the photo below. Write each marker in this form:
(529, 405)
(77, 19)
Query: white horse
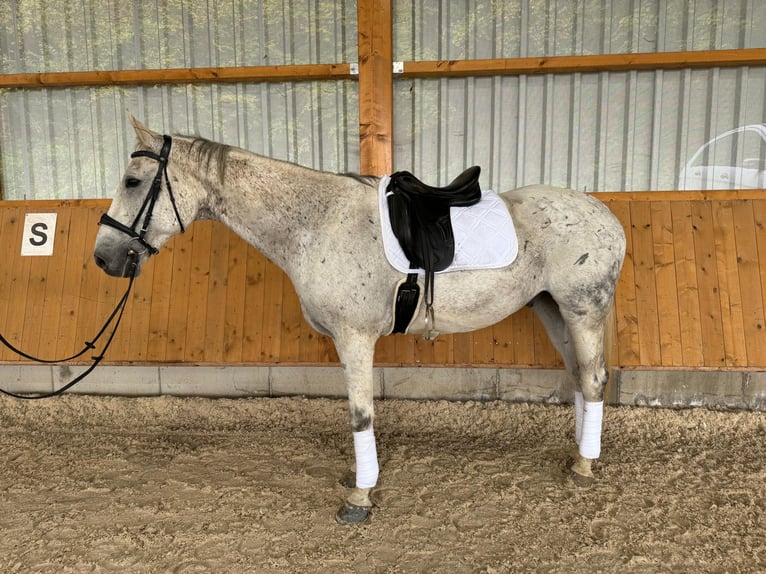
(324, 231)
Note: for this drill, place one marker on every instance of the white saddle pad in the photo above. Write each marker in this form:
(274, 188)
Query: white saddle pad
(484, 234)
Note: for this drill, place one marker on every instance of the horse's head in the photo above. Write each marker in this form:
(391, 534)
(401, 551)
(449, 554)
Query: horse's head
(149, 207)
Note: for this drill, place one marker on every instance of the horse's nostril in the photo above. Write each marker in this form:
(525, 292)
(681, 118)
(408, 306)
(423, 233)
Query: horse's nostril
(100, 261)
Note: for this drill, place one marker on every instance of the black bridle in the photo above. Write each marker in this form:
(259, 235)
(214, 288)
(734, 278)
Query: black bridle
(148, 206)
(150, 201)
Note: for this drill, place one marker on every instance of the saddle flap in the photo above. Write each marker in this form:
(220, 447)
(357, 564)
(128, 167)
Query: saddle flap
(437, 244)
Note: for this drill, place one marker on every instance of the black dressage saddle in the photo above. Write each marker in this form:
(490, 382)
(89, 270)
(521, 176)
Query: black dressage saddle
(420, 220)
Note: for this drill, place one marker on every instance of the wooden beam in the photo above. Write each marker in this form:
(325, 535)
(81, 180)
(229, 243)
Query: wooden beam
(298, 73)
(581, 64)
(375, 87)
(377, 49)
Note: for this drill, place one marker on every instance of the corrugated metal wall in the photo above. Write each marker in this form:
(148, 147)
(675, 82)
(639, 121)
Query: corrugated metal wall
(596, 132)
(628, 131)
(73, 143)
(71, 35)
(474, 29)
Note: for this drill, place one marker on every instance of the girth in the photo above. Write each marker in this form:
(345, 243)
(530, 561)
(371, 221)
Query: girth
(420, 220)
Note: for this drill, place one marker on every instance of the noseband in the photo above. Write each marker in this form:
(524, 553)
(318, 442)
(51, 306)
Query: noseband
(150, 201)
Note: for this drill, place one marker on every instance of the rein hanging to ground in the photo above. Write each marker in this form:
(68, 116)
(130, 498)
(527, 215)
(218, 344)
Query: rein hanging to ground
(89, 345)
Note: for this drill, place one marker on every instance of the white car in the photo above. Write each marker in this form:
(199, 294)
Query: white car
(733, 160)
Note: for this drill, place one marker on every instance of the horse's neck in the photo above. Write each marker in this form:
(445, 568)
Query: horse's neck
(275, 206)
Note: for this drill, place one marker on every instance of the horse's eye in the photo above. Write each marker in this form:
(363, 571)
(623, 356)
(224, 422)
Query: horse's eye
(132, 182)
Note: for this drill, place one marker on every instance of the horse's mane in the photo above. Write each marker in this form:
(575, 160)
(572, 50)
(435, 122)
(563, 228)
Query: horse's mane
(206, 152)
(365, 179)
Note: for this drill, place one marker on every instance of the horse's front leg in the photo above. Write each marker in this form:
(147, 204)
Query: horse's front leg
(356, 353)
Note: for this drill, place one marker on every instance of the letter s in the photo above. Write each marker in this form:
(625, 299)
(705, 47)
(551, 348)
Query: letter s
(38, 230)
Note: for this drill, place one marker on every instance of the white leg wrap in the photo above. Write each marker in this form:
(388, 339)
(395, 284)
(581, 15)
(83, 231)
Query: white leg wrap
(590, 440)
(578, 415)
(366, 459)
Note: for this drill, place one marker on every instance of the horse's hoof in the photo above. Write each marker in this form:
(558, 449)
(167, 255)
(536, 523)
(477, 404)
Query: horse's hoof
(348, 479)
(352, 514)
(580, 480)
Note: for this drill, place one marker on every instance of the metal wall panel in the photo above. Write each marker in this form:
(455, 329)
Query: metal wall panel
(447, 30)
(627, 131)
(73, 143)
(609, 131)
(73, 35)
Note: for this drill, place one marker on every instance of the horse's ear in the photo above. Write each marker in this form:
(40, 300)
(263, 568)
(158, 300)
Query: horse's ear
(146, 137)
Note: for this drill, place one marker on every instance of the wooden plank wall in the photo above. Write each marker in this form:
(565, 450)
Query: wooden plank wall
(691, 295)
(693, 286)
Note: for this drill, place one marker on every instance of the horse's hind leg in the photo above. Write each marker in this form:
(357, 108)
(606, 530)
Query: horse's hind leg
(547, 310)
(579, 341)
(588, 338)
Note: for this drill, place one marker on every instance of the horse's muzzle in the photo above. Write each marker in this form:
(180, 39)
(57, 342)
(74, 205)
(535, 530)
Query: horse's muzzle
(118, 264)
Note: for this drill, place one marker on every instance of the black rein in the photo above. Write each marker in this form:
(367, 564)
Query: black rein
(148, 206)
(117, 313)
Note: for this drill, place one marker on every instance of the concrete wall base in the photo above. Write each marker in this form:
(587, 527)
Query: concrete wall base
(665, 388)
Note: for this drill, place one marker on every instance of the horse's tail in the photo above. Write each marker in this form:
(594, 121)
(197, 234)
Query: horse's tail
(610, 338)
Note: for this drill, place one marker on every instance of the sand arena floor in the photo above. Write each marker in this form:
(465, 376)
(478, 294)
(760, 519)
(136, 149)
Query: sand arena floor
(153, 485)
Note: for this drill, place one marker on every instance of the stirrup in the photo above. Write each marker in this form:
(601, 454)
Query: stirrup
(431, 332)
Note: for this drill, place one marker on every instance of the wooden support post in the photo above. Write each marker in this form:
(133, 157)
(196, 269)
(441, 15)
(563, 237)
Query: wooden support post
(375, 86)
